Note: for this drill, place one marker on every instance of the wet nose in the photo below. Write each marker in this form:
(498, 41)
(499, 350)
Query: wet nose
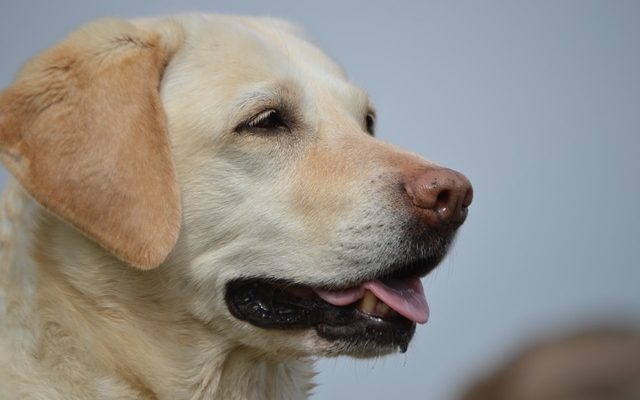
(441, 195)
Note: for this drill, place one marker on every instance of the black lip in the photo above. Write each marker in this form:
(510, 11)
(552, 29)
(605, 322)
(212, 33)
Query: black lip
(366, 330)
(280, 304)
(270, 304)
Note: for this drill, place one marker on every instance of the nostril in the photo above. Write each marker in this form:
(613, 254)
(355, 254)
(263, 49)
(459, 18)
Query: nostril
(443, 197)
(442, 201)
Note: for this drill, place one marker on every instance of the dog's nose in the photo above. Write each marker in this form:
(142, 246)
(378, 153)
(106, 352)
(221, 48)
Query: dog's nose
(442, 196)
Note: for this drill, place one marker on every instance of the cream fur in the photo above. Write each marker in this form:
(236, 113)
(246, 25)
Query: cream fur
(314, 205)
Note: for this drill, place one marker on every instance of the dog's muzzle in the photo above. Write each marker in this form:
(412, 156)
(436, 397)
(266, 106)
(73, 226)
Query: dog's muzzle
(379, 311)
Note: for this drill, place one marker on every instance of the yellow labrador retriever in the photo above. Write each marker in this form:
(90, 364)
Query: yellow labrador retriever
(199, 208)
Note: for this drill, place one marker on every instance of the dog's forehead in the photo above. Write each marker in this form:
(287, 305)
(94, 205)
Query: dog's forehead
(238, 52)
(262, 37)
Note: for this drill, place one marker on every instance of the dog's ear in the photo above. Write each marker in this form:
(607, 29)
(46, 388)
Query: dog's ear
(83, 130)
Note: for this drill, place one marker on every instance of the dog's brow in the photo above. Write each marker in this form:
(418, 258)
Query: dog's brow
(265, 97)
(249, 100)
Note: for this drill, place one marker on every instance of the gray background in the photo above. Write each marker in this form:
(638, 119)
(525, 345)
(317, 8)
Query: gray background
(537, 102)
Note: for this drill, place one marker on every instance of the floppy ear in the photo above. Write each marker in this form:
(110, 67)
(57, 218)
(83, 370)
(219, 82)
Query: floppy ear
(83, 130)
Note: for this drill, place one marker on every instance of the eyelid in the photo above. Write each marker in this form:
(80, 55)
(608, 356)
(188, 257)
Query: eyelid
(260, 117)
(253, 104)
(250, 111)
(285, 97)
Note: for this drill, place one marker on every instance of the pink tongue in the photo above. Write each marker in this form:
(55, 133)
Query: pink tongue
(404, 296)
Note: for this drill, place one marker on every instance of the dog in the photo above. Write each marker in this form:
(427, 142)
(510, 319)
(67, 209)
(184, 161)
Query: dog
(602, 364)
(198, 209)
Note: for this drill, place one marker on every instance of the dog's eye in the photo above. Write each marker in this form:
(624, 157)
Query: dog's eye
(266, 120)
(370, 123)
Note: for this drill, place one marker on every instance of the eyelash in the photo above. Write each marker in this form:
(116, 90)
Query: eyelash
(268, 120)
(260, 118)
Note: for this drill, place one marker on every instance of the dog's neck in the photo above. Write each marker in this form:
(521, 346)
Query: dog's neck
(110, 331)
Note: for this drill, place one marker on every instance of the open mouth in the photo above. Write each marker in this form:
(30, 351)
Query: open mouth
(379, 312)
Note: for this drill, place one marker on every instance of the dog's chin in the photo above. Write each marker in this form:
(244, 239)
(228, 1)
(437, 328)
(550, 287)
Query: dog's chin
(368, 336)
(364, 327)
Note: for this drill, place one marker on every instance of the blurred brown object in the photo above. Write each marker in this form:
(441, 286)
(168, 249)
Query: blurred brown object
(603, 365)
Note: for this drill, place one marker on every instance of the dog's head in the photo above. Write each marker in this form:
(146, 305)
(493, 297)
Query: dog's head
(237, 157)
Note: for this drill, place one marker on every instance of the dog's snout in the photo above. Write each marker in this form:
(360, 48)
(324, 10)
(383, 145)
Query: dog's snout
(441, 195)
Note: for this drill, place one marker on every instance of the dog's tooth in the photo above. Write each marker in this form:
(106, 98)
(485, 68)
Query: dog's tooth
(368, 303)
(382, 309)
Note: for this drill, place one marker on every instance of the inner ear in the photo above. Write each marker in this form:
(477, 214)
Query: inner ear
(83, 130)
